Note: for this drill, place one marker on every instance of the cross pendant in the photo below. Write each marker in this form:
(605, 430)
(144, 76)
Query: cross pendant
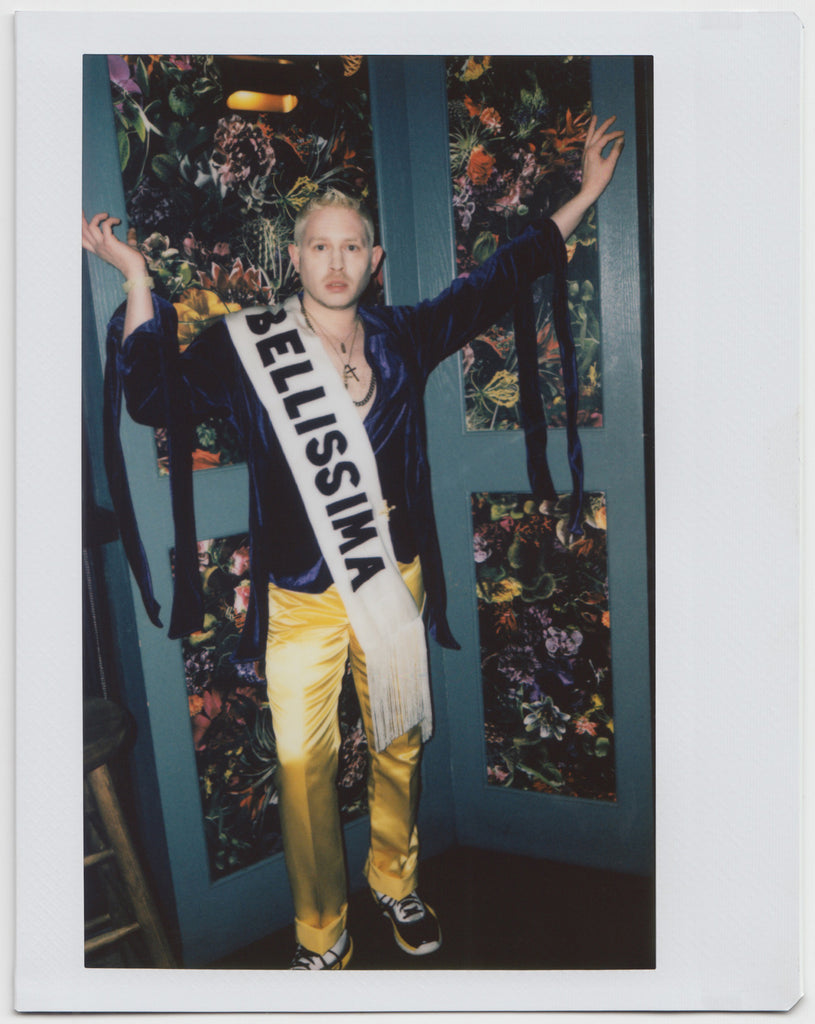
(349, 371)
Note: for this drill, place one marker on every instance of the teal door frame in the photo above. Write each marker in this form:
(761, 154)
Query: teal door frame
(615, 835)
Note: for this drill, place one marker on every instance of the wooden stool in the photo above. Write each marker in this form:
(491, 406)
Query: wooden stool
(106, 726)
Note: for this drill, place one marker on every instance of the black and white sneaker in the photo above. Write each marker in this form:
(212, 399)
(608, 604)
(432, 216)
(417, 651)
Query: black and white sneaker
(336, 959)
(415, 925)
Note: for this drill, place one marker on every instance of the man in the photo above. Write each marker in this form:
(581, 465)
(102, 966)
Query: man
(327, 396)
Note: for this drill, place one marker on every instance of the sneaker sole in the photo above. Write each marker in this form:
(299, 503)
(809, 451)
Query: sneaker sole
(340, 965)
(425, 948)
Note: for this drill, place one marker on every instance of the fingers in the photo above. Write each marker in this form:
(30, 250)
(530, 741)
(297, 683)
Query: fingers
(107, 227)
(594, 131)
(98, 238)
(599, 138)
(100, 222)
(98, 233)
(90, 231)
(618, 138)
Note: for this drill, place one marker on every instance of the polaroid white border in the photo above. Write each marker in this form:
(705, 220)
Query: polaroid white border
(728, 214)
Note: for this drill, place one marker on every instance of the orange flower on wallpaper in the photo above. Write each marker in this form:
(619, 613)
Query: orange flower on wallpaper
(480, 166)
(490, 118)
(570, 135)
(547, 343)
(202, 459)
(473, 109)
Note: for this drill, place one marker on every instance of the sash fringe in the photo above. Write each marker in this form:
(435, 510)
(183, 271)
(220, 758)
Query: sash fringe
(399, 685)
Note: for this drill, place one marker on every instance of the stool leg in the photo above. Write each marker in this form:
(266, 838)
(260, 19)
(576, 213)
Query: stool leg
(144, 908)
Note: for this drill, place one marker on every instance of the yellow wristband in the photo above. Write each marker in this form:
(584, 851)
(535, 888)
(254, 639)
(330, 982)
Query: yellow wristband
(146, 280)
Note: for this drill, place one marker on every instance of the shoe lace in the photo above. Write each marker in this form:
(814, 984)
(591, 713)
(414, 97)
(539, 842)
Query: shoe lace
(410, 908)
(305, 960)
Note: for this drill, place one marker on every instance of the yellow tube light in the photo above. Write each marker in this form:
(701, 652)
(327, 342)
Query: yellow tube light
(265, 102)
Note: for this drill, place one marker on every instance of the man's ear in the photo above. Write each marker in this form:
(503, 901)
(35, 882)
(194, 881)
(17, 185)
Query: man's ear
(294, 256)
(377, 256)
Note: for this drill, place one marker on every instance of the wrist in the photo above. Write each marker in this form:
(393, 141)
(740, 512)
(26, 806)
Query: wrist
(586, 198)
(132, 266)
(139, 281)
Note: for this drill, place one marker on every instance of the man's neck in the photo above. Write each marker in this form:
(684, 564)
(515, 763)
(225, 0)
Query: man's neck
(338, 322)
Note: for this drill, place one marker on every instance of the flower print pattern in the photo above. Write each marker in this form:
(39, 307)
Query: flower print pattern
(546, 718)
(231, 725)
(242, 151)
(211, 195)
(545, 646)
(516, 133)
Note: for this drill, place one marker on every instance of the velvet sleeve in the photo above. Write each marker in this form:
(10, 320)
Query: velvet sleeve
(441, 326)
(201, 375)
(163, 387)
(472, 303)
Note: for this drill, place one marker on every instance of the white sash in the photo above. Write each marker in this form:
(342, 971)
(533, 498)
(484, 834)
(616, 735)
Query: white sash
(334, 467)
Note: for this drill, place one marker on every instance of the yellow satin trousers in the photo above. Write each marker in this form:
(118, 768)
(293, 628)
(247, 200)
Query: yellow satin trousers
(309, 641)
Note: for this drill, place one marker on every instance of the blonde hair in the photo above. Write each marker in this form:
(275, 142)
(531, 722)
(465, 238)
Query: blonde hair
(333, 197)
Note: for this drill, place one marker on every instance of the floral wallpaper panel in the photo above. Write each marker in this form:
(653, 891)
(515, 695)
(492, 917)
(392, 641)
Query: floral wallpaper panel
(232, 726)
(517, 127)
(545, 641)
(211, 194)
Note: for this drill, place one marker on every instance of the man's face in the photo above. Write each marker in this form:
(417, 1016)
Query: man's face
(334, 259)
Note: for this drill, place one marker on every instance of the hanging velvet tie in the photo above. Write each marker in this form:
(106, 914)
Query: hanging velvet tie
(118, 483)
(533, 416)
(188, 602)
(187, 611)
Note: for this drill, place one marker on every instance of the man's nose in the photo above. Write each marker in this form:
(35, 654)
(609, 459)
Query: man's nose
(337, 259)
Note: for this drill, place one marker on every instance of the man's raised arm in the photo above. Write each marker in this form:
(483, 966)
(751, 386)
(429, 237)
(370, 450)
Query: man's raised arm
(597, 173)
(98, 238)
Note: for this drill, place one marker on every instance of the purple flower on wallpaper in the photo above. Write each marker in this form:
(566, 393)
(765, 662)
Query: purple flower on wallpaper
(545, 717)
(182, 63)
(481, 546)
(558, 641)
(120, 74)
(246, 670)
(535, 620)
(244, 151)
(199, 664)
(463, 202)
(518, 665)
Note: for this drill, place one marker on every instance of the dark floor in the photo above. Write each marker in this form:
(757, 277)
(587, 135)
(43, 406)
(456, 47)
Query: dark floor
(500, 912)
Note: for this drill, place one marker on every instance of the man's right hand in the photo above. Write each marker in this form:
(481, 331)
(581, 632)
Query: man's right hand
(98, 238)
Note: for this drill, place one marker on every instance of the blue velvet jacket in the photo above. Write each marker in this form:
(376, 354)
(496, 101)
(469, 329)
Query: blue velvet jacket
(404, 344)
